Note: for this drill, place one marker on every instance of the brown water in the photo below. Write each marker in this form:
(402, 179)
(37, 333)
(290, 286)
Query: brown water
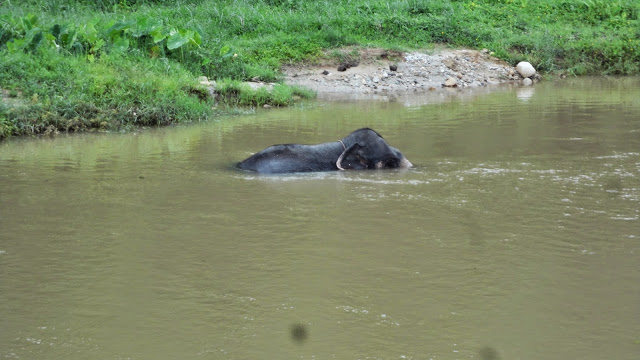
(516, 236)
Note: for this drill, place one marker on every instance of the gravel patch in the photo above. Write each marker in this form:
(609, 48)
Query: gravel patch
(379, 76)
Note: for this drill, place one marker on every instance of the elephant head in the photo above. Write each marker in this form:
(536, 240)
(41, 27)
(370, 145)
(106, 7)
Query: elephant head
(368, 150)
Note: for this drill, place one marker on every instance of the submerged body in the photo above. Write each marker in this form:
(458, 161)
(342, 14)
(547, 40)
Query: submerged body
(362, 149)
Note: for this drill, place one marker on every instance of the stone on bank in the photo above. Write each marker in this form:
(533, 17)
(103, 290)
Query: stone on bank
(525, 69)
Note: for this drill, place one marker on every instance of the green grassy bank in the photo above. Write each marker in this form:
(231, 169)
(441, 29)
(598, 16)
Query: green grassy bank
(109, 64)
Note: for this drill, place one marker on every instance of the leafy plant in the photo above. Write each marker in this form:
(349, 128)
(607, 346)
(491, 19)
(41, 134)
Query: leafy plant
(91, 38)
(7, 127)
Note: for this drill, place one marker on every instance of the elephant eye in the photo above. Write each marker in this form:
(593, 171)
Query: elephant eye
(386, 164)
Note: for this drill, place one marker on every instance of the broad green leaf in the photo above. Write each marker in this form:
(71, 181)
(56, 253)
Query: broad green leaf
(36, 37)
(225, 50)
(145, 25)
(197, 38)
(77, 48)
(90, 33)
(97, 46)
(158, 35)
(121, 26)
(56, 30)
(155, 25)
(176, 40)
(121, 44)
(68, 38)
(15, 45)
(50, 38)
(29, 22)
(141, 26)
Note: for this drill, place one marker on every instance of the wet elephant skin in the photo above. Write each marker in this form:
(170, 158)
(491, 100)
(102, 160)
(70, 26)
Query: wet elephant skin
(362, 149)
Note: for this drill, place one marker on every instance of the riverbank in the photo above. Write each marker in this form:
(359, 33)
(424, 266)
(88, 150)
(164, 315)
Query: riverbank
(75, 65)
(381, 74)
(385, 75)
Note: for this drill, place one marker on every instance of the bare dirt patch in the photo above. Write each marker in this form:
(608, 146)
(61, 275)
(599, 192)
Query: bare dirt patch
(10, 98)
(380, 74)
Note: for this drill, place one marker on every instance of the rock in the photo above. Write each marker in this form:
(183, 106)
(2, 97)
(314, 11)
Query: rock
(527, 82)
(209, 84)
(525, 69)
(393, 67)
(211, 88)
(342, 68)
(325, 72)
(451, 82)
(266, 106)
(451, 64)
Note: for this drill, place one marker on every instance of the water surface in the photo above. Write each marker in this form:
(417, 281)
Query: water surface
(516, 235)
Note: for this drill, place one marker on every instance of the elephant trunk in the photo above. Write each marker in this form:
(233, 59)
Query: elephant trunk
(405, 164)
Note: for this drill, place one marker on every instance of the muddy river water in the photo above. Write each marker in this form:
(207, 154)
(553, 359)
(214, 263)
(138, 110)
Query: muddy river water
(515, 236)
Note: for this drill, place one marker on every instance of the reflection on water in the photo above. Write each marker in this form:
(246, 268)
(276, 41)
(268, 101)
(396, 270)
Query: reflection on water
(514, 237)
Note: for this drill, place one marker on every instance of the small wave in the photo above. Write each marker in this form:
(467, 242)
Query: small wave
(351, 309)
(625, 218)
(618, 156)
(491, 171)
(373, 177)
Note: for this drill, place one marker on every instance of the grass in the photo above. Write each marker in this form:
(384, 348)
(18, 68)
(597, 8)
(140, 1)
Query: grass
(236, 93)
(70, 94)
(154, 50)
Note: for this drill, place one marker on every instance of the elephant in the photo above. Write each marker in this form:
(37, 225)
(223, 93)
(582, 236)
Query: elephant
(362, 149)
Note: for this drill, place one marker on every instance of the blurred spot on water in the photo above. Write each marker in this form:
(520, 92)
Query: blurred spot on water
(299, 333)
(489, 353)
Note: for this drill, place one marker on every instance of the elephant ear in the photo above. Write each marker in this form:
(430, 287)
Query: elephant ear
(353, 158)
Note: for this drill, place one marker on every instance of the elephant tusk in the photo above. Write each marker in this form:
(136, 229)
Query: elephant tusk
(341, 157)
